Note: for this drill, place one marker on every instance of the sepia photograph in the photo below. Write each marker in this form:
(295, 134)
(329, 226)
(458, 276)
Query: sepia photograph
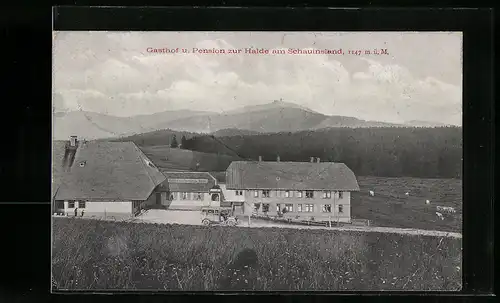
(256, 161)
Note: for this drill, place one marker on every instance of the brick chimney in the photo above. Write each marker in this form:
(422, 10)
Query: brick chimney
(72, 141)
(318, 160)
(312, 159)
(69, 152)
(260, 158)
(278, 158)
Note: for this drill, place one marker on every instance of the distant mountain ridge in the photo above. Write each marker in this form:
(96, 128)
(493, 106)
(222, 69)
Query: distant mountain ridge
(266, 106)
(420, 123)
(277, 116)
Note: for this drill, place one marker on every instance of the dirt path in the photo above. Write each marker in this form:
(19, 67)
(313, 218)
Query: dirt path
(408, 231)
(194, 218)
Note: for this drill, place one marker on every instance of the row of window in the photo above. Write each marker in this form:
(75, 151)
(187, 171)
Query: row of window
(187, 196)
(290, 194)
(77, 204)
(308, 208)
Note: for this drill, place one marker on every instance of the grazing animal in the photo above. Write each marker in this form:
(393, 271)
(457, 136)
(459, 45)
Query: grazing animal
(440, 215)
(427, 202)
(372, 193)
(446, 209)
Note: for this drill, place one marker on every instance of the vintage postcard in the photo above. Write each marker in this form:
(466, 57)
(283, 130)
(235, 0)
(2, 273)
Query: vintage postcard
(257, 161)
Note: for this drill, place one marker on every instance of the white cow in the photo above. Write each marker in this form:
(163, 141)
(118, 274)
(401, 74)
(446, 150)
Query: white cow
(440, 215)
(448, 209)
(372, 193)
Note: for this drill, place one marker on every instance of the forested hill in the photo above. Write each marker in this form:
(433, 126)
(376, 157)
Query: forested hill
(387, 152)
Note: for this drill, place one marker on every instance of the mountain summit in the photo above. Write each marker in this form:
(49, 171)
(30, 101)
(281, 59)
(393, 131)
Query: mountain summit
(276, 116)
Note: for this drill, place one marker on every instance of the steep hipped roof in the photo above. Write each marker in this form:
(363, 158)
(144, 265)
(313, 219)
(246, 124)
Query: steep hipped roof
(290, 175)
(188, 181)
(109, 170)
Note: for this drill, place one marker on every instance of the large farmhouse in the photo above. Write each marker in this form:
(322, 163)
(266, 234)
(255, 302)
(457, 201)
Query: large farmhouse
(304, 190)
(105, 179)
(190, 190)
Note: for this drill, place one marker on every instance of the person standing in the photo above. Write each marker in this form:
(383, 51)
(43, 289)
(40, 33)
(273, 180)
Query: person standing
(76, 211)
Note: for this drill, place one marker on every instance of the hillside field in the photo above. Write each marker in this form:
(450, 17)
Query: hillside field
(392, 208)
(97, 255)
(176, 159)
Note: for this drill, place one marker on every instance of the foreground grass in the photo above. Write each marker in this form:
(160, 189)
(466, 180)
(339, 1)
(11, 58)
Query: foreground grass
(92, 254)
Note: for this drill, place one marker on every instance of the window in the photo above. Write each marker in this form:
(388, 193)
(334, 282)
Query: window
(278, 207)
(309, 208)
(256, 194)
(266, 193)
(71, 204)
(299, 194)
(136, 204)
(59, 204)
(278, 193)
(198, 196)
(327, 194)
(309, 194)
(81, 204)
(299, 208)
(341, 209)
(289, 207)
(239, 192)
(265, 207)
(173, 196)
(185, 196)
(341, 195)
(327, 208)
(287, 194)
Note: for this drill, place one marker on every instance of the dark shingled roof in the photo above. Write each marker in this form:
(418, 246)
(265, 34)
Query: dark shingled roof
(181, 186)
(109, 170)
(290, 175)
(220, 176)
(57, 164)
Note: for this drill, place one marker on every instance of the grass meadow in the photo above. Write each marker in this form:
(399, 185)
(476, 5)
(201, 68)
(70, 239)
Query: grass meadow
(176, 159)
(101, 255)
(392, 208)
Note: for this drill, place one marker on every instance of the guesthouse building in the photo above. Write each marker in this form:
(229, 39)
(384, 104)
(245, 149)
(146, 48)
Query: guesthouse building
(319, 191)
(104, 179)
(190, 190)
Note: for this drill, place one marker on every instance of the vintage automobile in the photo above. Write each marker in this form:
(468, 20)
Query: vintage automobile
(218, 216)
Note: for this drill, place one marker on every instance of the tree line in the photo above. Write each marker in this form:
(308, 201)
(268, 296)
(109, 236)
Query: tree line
(386, 152)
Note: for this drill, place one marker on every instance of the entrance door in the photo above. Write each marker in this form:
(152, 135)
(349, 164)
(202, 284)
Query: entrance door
(158, 198)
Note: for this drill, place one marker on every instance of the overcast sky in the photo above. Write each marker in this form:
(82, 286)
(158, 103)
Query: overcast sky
(113, 73)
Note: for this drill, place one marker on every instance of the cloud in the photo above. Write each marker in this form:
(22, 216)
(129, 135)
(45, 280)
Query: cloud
(115, 75)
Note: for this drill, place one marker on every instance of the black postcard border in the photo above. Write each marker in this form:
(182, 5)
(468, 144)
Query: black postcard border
(28, 168)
